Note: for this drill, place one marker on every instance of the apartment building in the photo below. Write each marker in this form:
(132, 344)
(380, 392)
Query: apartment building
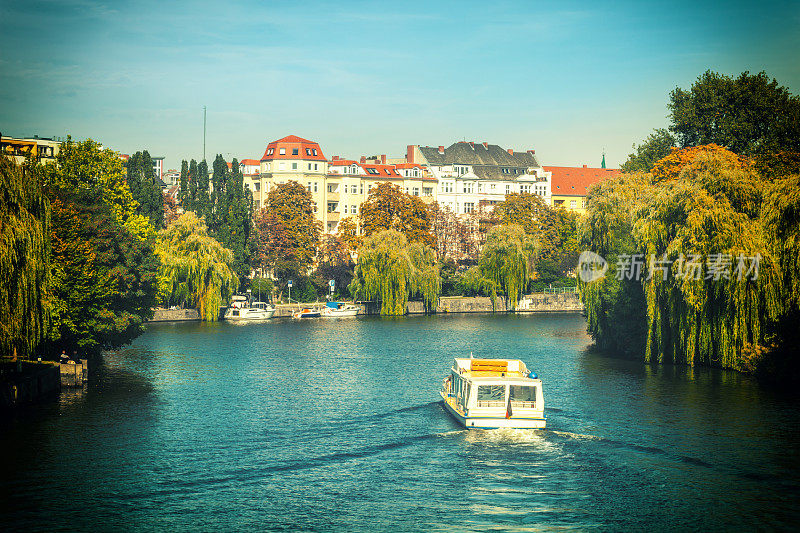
(570, 185)
(18, 149)
(470, 174)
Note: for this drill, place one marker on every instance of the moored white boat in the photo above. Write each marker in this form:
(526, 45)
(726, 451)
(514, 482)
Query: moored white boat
(340, 309)
(493, 393)
(240, 310)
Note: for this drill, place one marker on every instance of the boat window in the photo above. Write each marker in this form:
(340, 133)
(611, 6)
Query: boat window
(491, 395)
(236, 313)
(523, 396)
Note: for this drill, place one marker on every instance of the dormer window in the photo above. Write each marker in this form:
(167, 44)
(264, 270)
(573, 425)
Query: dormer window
(315, 151)
(372, 171)
(308, 151)
(294, 151)
(282, 151)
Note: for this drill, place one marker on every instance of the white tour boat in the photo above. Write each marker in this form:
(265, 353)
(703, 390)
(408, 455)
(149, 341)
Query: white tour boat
(339, 309)
(493, 393)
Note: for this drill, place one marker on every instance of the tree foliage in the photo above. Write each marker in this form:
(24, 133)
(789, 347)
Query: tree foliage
(553, 229)
(24, 259)
(389, 270)
(505, 261)
(700, 202)
(749, 114)
(287, 228)
(104, 277)
(657, 145)
(145, 188)
(195, 270)
(388, 207)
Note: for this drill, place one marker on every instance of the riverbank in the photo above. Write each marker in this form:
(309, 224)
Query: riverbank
(531, 303)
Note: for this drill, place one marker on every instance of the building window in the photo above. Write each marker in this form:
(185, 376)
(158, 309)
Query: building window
(294, 151)
(447, 187)
(283, 151)
(281, 166)
(361, 187)
(315, 151)
(491, 186)
(573, 204)
(294, 166)
(468, 207)
(427, 191)
(525, 188)
(315, 166)
(308, 151)
(308, 186)
(331, 187)
(467, 187)
(354, 209)
(257, 185)
(331, 207)
(480, 187)
(508, 189)
(415, 191)
(315, 186)
(345, 209)
(309, 166)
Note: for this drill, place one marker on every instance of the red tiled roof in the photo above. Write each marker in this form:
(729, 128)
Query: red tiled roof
(341, 163)
(293, 142)
(575, 181)
(386, 171)
(408, 165)
(249, 162)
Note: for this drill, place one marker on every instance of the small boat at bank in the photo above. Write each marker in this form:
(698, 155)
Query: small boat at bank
(241, 310)
(307, 312)
(340, 309)
(493, 393)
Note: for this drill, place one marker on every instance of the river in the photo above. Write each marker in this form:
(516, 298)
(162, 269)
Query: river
(335, 425)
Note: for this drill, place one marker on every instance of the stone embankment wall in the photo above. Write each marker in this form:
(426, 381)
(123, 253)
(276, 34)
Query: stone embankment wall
(174, 315)
(27, 382)
(532, 303)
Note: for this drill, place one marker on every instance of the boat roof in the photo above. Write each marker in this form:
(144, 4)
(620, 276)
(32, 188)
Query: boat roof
(491, 368)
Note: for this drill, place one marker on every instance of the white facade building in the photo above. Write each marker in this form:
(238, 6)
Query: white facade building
(473, 174)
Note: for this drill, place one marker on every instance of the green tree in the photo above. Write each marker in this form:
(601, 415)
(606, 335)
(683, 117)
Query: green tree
(104, 277)
(749, 114)
(183, 194)
(191, 197)
(287, 227)
(388, 207)
(389, 270)
(233, 215)
(657, 145)
(202, 204)
(505, 260)
(554, 229)
(24, 259)
(87, 166)
(145, 188)
(195, 269)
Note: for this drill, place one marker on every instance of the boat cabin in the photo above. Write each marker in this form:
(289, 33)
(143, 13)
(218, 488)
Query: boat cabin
(485, 387)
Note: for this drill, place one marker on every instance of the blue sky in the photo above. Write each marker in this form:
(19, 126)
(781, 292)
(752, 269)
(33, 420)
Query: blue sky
(568, 79)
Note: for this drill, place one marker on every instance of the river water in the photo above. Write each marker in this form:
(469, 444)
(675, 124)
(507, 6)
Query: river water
(335, 425)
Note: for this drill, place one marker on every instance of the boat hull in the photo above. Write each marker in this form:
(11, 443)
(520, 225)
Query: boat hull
(249, 314)
(492, 422)
(335, 313)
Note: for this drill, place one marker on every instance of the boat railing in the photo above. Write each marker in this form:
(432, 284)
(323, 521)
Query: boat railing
(523, 405)
(491, 403)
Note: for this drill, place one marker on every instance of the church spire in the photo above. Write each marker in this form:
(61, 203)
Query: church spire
(603, 164)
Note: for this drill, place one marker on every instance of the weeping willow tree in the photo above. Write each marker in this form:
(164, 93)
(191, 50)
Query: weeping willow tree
(195, 269)
(505, 261)
(390, 270)
(718, 260)
(24, 249)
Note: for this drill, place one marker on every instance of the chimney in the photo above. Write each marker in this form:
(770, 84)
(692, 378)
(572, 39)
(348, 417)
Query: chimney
(410, 153)
(485, 145)
(511, 151)
(584, 166)
(441, 149)
(383, 159)
(363, 160)
(335, 158)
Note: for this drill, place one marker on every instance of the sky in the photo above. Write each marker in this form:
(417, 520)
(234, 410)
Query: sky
(571, 80)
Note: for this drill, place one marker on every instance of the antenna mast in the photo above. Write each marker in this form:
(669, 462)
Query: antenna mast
(204, 133)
